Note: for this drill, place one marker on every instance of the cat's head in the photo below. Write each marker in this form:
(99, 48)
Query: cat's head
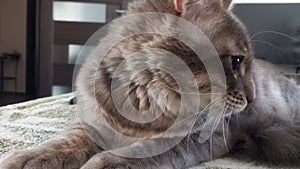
(230, 39)
(154, 92)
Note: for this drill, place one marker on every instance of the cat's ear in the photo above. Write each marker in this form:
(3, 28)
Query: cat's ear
(228, 4)
(181, 5)
(178, 5)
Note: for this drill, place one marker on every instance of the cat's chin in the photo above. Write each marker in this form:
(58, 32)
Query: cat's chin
(235, 109)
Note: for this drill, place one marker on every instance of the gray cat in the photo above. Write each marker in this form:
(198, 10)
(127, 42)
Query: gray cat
(260, 104)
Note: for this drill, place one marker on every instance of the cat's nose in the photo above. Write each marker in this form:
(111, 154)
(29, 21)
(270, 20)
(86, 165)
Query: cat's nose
(250, 99)
(236, 92)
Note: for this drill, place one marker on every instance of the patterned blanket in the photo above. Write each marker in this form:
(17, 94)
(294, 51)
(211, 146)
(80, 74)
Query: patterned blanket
(28, 124)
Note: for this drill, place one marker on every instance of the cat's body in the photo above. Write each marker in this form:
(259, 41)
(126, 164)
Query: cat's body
(266, 101)
(270, 124)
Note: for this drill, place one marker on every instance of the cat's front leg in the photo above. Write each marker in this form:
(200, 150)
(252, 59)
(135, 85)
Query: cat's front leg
(188, 153)
(42, 158)
(139, 155)
(68, 151)
(108, 160)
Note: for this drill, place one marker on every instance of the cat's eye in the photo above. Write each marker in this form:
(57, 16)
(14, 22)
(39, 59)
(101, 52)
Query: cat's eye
(236, 62)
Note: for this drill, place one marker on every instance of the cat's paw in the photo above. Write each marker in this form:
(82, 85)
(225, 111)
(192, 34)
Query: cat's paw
(26, 159)
(30, 159)
(109, 161)
(17, 159)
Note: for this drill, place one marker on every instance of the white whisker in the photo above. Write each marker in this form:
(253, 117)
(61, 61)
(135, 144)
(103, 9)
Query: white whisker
(223, 129)
(274, 32)
(197, 93)
(268, 43)
(227, 129)
(238, 119)
(198, 117)
(271, 45)
(214, 127)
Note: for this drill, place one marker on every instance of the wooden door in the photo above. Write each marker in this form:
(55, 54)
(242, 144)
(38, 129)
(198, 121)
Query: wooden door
(54, 38)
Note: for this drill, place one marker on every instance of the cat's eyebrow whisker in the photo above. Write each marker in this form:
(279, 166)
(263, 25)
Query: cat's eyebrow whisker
(268, 43)
(271, 45)
(273, 32)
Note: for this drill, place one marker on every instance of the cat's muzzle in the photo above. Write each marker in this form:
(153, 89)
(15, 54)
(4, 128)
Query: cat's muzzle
(236, 101)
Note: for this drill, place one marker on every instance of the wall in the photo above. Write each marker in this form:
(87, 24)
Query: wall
(281, 18)
(13, 37)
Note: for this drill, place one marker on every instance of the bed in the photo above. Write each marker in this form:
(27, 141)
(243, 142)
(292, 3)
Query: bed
(28, 124)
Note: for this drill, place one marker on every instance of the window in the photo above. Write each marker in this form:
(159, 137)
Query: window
(79, 12)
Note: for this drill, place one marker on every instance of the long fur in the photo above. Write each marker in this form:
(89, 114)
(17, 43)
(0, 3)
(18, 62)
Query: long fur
(260, 120)
(270, 126)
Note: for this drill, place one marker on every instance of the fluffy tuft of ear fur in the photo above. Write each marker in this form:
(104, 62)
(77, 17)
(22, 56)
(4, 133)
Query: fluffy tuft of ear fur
(178, 5)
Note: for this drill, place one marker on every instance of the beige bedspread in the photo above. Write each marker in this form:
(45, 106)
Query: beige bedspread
(30, 123)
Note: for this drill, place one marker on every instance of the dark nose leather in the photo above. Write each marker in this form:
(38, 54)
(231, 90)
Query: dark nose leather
(250, 99)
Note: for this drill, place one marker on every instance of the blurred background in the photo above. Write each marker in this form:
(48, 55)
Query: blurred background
(41, 39)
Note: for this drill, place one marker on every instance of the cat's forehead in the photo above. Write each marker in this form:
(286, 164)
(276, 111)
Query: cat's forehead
(227, 34)
(220, 25)
(232, 39)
